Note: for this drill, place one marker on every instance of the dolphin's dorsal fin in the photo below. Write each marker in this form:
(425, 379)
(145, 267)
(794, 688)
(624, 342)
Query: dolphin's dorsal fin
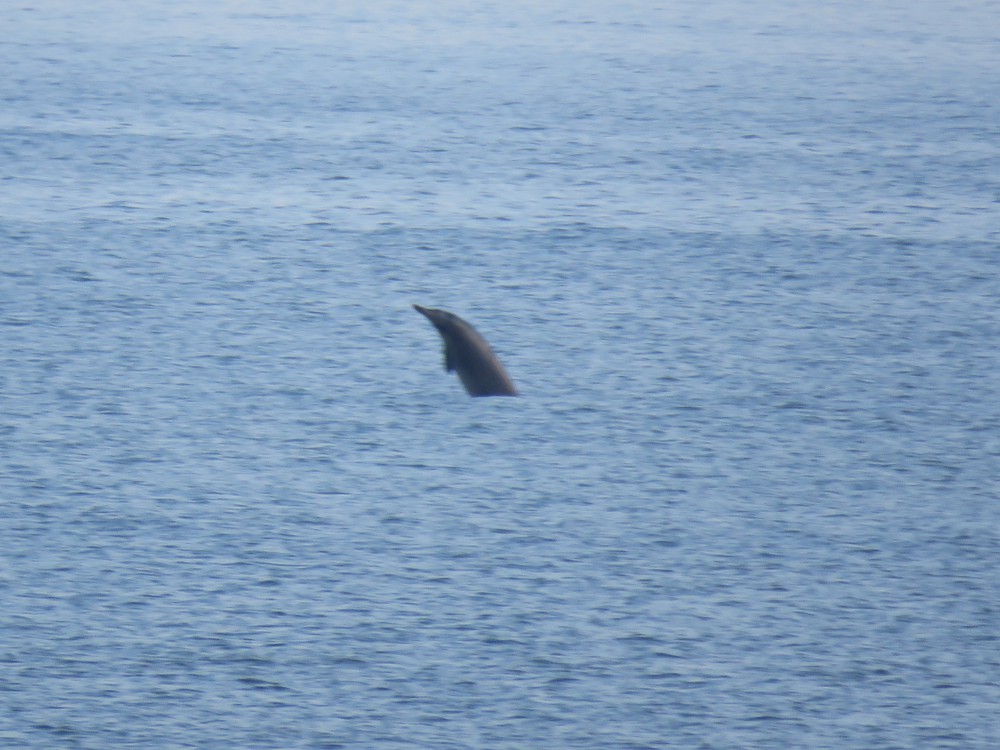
(449, 359)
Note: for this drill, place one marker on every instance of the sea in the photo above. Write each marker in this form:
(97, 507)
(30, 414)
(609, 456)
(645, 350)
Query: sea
(742, 261)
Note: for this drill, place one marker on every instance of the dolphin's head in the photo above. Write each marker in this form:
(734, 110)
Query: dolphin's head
(442, 319)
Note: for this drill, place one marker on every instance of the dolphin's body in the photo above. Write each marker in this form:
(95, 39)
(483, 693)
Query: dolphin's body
(467, 353)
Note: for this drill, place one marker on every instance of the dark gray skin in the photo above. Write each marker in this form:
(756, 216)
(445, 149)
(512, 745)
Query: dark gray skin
(467, 353)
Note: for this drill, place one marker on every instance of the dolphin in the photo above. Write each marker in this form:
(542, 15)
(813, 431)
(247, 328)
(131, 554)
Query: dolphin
(467, 353)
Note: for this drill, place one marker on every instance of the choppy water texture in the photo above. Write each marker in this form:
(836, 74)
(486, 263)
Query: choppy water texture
(742, 261)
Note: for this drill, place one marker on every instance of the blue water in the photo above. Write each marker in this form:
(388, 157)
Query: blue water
(742, 260)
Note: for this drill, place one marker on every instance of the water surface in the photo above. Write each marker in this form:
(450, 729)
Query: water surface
(743, 266)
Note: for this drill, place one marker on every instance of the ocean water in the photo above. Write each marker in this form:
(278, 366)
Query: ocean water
(742, 260)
